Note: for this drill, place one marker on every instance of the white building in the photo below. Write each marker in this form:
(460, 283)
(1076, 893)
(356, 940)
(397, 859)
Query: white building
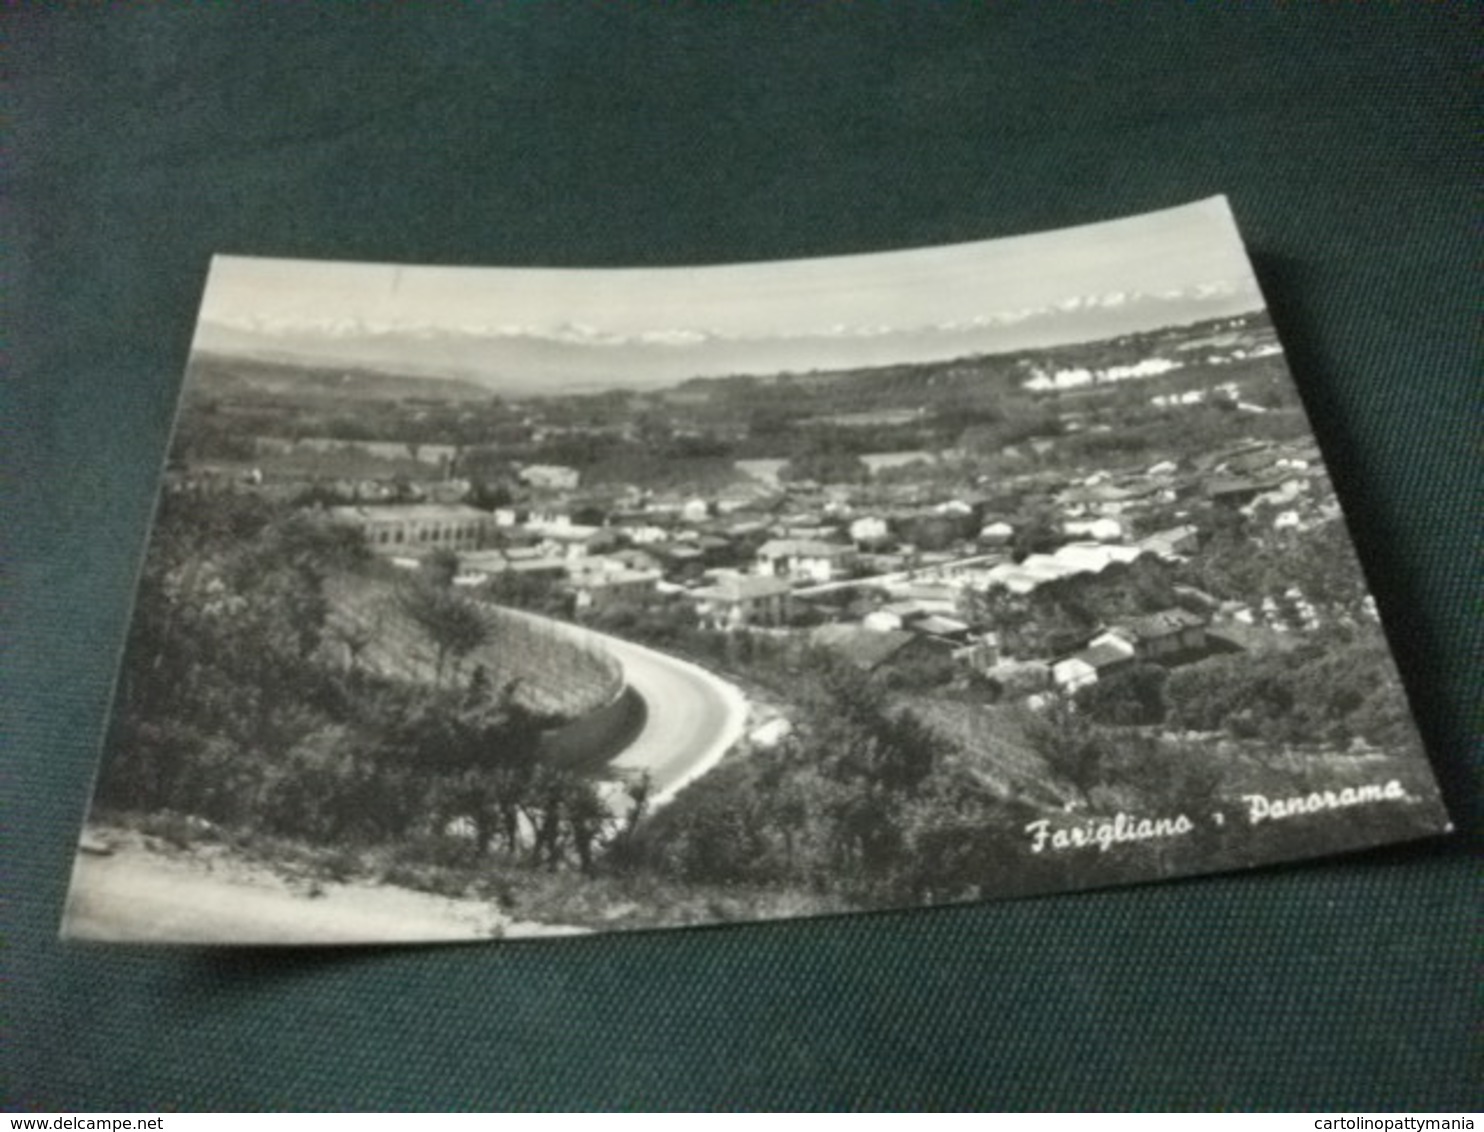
(555, 477)
(695, 510)
(739, 600)
(996, 534)
(869, 530)
(1103, 530)
(611, 586)
(804, 559)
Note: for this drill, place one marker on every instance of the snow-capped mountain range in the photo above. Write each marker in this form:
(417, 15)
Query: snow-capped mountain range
(566, 356)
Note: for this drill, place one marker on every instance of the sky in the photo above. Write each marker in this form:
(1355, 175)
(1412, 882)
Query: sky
(1068, 285)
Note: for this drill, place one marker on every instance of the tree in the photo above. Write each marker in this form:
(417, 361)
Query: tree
(1131, 696)
(1151, 584)
(1162, 776)
(1037, 531)
(933, 532)
(625, 851)
(986, 608)
(326, 789)
(767, 422)
(454, 625)
(1321, 562)
(1070, 746)
(488, 494)
(587, 817)
(1246, 694)
(964, 842)
(529, 591)
(441, 566)
(477, 747)
(225, 689)
(590, 515)
(825, 466)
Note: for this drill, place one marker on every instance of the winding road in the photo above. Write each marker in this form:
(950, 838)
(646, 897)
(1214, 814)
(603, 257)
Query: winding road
(131, 892)
(693, 717)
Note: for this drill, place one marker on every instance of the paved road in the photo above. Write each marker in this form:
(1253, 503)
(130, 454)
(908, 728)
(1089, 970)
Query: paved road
(693, 717)
(897, 577)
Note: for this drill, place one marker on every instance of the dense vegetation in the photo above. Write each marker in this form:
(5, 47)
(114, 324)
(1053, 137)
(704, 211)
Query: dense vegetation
(862, 805)
(246, 702)
(884, 796)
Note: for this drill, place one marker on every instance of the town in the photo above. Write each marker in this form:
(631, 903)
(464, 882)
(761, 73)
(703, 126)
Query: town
(947, 558)
(753, 646)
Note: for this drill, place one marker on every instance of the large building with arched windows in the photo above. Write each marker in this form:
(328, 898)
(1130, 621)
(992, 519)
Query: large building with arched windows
(401, 528)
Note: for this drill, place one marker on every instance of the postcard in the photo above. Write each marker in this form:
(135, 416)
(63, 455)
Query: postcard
(487, 603)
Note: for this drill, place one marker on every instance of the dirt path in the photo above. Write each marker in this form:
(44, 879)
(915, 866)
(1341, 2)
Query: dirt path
(137, 895)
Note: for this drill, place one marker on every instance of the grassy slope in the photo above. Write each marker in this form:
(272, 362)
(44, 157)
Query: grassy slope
(554, 674)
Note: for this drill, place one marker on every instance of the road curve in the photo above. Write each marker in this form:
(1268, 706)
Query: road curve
(137, 895)
(693, 717)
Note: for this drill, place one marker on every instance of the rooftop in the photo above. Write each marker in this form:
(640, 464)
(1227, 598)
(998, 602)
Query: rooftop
(940, 626)
(1163, 623)
(1101, 656)
(802, 548)
(402, 512)
(744, 587)
(598, 579)
(573, 533)
(865, 648)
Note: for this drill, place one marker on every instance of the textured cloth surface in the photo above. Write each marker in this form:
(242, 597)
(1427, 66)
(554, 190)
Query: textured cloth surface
(1346, 137)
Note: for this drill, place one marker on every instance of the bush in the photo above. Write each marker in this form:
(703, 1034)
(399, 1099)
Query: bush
(1128, 697)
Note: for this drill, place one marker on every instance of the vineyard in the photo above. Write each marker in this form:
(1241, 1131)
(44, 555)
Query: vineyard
(552, 669)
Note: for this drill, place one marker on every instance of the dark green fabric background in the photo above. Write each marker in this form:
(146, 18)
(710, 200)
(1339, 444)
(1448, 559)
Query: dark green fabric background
(145, 138)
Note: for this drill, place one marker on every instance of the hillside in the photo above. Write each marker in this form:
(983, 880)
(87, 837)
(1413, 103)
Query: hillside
(552, 673)
(211, 375)
(902, 398)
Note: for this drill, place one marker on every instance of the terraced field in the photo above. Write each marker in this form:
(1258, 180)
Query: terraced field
(555, 671)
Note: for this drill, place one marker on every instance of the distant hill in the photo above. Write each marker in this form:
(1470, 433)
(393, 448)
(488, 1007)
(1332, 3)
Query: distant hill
(564, 357)
(975, 374)
(447, 366)
(511, 366)
(221, 376)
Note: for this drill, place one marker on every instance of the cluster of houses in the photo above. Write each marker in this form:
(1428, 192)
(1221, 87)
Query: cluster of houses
(1162, 638)
(760, 555)
(440, 457)
(1237, 343)
(374, 471)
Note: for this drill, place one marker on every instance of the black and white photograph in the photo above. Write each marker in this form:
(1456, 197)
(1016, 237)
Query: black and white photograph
(489, 603)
